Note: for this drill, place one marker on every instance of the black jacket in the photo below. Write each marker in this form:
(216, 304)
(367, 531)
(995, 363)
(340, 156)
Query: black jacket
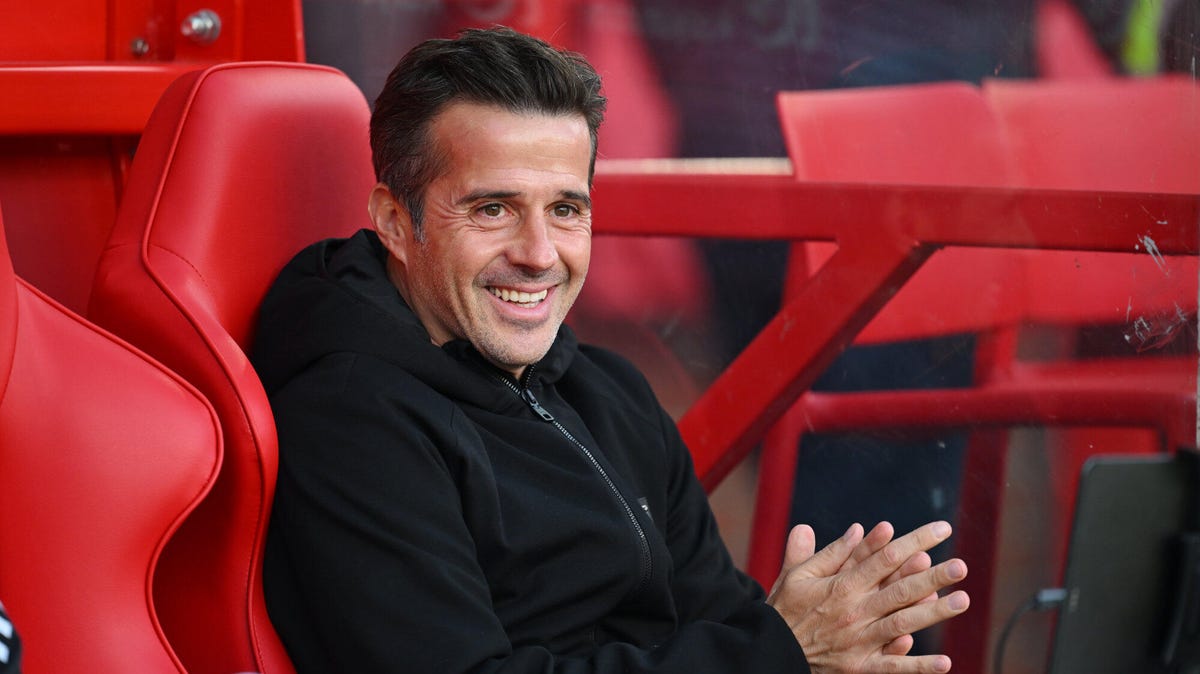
(433, 514)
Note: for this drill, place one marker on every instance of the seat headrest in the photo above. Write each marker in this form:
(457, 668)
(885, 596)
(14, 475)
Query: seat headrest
(241, 165)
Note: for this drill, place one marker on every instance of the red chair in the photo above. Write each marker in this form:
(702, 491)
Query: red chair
(79, 80)
(1119, 134)
(240, 166)
(104, 453)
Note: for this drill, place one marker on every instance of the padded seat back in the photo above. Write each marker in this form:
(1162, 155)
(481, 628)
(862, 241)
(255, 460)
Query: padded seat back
(103, 453)
(241, 165)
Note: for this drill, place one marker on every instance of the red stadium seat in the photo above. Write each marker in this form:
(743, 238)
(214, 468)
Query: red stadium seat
(79, 80)
(1120, 134)
(240, 166)
(104, 453)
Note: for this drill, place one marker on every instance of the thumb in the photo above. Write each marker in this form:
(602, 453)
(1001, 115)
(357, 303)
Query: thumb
(801, 544)
(830, 559)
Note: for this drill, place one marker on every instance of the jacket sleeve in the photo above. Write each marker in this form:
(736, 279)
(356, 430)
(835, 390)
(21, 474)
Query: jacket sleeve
(371, 568)
(707, 585)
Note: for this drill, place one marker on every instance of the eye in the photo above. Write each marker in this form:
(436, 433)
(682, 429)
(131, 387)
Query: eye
(492, 210)
(565, 210)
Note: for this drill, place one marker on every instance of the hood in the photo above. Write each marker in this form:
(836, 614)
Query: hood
(335, 297)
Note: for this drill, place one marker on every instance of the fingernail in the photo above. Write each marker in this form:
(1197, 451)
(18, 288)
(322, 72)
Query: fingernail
(942, 664)
(941, 529)
(958, 601)
(957, 570)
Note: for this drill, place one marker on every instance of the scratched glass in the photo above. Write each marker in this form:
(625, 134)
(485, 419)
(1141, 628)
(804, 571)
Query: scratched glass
(962, 237)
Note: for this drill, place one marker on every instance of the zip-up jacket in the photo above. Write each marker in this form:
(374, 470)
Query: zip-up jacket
(435, 514)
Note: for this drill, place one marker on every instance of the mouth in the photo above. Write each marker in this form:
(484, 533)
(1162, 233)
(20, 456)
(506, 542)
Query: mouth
(522, 299)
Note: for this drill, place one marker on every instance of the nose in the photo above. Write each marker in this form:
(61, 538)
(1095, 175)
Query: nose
(533, 245)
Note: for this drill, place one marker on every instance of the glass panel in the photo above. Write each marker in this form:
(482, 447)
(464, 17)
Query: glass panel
(1023, 322)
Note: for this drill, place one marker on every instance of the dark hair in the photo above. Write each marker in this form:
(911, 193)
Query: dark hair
(496, 66)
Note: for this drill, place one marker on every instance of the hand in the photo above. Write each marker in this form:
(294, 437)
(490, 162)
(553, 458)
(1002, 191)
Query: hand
(878, 537)
(854, 605)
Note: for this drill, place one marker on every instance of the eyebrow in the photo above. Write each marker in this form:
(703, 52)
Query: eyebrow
(581, 197)
(481, 195)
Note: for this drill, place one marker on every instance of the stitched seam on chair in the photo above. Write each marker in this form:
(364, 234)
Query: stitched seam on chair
(204, 488)
(260, 527)
(11, 338)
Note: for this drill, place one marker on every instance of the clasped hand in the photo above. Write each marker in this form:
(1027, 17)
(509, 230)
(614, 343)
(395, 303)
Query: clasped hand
(854, 605)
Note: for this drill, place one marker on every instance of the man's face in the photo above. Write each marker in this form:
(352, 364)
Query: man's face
(507, 232)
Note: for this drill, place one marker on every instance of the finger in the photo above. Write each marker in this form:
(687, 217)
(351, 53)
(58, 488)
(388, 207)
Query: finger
(916, 588)
(831, 557)
(879, 536)
(910, 664)
(915, 564)
(918, 617)
(876, 568)
(901, 645)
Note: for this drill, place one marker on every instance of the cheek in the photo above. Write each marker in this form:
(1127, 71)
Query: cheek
(437, 281)
(576, 252)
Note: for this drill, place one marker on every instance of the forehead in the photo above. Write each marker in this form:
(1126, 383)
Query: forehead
(478, 137)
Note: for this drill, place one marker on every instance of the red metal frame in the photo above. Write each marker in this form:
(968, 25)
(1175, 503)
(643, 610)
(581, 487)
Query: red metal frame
(893, 228)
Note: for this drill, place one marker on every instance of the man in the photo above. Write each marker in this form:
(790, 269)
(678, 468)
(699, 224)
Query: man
(462, 486)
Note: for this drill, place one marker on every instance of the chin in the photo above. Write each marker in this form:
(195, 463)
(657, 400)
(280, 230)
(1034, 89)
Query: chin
(511, 359)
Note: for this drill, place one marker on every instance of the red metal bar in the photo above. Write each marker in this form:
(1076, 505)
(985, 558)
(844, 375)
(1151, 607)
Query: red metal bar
(1078, 405)
(82, 99)
(745, 206)
(786, 357)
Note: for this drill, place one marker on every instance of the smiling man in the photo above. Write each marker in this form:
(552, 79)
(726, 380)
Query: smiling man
(465, 488)
(503, 246)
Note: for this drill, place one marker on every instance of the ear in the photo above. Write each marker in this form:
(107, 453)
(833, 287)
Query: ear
(392, 222)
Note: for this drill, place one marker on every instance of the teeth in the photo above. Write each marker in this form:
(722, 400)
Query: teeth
(518, 297)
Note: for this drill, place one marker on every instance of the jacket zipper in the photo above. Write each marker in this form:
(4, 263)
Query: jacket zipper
(526, 394)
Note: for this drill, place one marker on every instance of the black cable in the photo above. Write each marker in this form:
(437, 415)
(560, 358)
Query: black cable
(1046, 598)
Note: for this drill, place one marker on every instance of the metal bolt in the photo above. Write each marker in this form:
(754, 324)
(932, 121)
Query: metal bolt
(202, 27)
(139, 47)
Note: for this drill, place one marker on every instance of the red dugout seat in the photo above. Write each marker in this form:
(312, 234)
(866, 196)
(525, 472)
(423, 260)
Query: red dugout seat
(1119, 134)
(240, 166)
(79, 79)
(103, 453)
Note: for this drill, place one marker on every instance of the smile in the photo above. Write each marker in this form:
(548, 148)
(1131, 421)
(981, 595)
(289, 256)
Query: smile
(526, 300)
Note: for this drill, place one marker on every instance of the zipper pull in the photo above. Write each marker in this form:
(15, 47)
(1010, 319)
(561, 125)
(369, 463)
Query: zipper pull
(536, 406)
